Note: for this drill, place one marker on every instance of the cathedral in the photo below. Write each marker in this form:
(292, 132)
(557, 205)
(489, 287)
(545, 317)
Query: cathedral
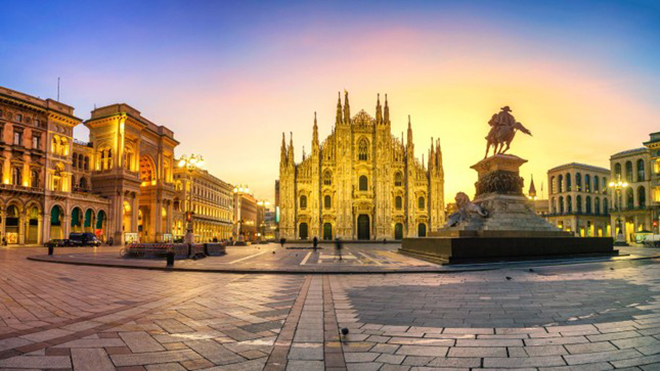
(361, 182)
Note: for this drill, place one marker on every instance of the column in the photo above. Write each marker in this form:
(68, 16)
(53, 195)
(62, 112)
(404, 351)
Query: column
(39, 234)
(21, 228)
(66, 225)
(2, 226)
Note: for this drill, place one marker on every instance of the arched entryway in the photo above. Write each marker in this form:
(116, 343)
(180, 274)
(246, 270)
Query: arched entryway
(327, 231)
(76, 220)
(12, 224)
(88, 225)
(398, 231)
(56, 216)
(363, 227)
(303, 231)
(101, 221)
(421, 230)
(32, 236)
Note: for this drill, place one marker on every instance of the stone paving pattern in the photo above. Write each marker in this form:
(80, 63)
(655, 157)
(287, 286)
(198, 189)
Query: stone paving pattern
(591, 316)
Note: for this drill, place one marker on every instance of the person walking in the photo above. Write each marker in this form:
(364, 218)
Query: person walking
(315, 243)
(338, 247)
(282, 241)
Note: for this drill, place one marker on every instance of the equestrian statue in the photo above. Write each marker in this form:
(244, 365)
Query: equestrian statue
(503, 128)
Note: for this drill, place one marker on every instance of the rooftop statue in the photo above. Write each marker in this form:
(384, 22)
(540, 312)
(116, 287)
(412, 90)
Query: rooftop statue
(503, 128)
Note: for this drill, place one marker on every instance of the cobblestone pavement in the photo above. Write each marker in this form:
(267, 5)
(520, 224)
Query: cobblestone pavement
(591, 316)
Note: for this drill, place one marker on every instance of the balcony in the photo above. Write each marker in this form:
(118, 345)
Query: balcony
(20, 188)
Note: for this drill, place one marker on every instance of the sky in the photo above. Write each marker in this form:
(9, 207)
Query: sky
(229, 77)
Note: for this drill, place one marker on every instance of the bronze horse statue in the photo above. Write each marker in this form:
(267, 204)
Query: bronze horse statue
(500, 135)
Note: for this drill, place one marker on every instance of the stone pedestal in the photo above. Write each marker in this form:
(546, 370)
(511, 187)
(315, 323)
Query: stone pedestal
(510, 231)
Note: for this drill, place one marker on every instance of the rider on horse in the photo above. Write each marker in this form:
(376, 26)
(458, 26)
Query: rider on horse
(503, 127)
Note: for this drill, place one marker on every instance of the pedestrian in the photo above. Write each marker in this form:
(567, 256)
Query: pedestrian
(4, 241)
(338, 247)
(315, 243)
(215, 239)
(282, 241)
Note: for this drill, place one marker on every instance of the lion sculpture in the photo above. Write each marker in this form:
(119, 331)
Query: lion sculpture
(466, 210)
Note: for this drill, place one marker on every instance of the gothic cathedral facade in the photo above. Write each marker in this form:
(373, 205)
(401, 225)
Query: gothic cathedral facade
(360, 183)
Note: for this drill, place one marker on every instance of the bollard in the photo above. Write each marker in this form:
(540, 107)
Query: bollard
(170, 259)
(206, 249)
(50, 250)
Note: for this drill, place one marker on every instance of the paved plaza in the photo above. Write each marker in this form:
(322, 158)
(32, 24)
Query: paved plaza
(595, 315)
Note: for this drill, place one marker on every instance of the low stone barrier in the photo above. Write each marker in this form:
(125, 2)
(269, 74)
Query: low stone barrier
(180, 250)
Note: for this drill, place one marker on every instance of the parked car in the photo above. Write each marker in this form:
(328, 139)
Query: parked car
(84, 239)
(57, 242)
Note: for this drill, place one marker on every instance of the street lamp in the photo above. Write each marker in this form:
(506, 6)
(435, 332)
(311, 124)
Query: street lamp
(190, 164)
(618, 187)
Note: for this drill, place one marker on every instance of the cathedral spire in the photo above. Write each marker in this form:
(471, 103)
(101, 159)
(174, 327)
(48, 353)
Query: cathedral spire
(283, 158)
(532, 189)
(291, 159)
(379, 110)
(410, 133)
(338, 120)
(387, 111)
(347, 108)
(315, 138)
(432, 164)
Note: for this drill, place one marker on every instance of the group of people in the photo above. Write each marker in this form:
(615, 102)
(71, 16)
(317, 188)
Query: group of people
(315, 245)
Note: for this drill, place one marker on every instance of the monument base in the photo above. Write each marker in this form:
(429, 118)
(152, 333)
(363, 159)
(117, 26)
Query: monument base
(500, 225)
(509, 246)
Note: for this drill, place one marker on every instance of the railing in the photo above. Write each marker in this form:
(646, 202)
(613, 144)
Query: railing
(82, 143)
(180, 250)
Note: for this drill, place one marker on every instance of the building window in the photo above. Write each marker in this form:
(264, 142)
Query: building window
(75, 160)
(629, 172)
(568, 182)
(18, 138)
(596, 184)
(640, 170)
(605, 206)
(641, 197)
(554, 206)
(553, 188)
(398, 179)
(16, 178)
(597, 206)
(303, 202)
(587, 183)
(34, 179)
(36, 141)
(578, 201)
(578, 182)
(604, 185)
(617, 171)
(398, 203)
(327, 202)
(327, 178)
(588, 204)
(363, 148)
(569, 204)
(19, 117)
(630, 199)
(363, 183)
(560, 184)
(561, 205)
(420, 203)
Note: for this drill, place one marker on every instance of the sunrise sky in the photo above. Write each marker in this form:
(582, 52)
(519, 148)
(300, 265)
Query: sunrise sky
(229, 77)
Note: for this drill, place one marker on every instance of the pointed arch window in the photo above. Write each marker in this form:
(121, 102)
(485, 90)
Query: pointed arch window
(363, 150)
(398, 203)
(420, 203)
(303, 202)
(327, 202)
(327, 178)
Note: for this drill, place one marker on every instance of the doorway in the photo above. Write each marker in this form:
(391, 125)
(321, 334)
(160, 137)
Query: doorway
(363, 227)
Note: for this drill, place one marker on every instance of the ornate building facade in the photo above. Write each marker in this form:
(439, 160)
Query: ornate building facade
(636, 208)
(212, 205)
(578, 199)
(133, 161)
(45, 182)
(361, 182)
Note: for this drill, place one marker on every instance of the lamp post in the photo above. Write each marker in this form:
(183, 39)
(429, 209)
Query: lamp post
(190, 164)
(618, 187)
